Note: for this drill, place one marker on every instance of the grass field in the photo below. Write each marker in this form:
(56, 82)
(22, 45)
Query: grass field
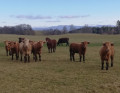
(56, 74)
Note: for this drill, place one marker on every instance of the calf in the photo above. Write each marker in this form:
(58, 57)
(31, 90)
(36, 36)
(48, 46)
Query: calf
(14, 49)
(78, 48)
(107, 53)
(36, 49)
(51, 44)
(26, 50)
(21, 50)
(7, 47)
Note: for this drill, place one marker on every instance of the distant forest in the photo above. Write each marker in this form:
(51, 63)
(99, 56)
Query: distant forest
(25, 29)
(86, 29)
(22, 29)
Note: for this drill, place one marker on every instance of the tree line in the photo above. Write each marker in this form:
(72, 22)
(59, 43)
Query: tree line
(25, 29)
(86, 29)
(22, 29)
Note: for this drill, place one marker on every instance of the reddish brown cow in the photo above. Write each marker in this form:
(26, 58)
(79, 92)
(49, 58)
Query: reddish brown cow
(7, 47)
(51, 44)
(107, 53)
(14, 49)
(78, 48)
(36, 49)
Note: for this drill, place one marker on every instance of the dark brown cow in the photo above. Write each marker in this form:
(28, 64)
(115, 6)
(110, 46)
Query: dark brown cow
(51, 44)
(78, 48)
(14, 49)
(107, 53)
(63, 40)
(36, 49)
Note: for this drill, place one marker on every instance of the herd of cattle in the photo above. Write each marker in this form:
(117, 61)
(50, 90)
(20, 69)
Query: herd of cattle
(26, 47)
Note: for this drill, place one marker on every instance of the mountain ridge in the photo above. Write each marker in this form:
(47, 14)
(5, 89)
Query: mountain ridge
(60, 27)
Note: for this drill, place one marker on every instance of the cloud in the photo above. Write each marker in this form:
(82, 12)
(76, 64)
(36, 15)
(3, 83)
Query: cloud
(73, 17)
(37, 17)
(31, 17)
(54, 21)
(3, 22)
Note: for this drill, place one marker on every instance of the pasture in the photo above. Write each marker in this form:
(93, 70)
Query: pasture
(56, 73)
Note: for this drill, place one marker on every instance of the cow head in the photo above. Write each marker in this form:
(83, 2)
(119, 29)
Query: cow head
(107, 46)
(41, 43)
(21, 39)
(47, 39)
(85, 43)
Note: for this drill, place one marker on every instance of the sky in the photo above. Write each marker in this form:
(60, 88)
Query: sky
(45, 13)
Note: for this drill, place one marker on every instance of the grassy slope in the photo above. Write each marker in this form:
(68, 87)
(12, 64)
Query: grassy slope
(56, 74)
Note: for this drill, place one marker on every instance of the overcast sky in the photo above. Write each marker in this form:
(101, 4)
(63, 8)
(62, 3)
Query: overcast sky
(41, 13)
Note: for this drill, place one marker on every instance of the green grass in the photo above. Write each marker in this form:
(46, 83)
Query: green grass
(56, 74)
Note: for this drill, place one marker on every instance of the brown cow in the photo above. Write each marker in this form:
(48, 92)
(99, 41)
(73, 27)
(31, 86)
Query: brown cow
(78, 48)
(14, 49)
(51, 44)
(36, 49)
(7, 47)
(107, 53)
(21, 50)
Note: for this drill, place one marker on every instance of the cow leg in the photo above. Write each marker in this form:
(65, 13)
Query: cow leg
(73, 56)
(51, 50)
(83, 58)
(25, 58)
(102, 63)
(16, 56)
(12, 56)
(70, 56)
(68, 43)
(7, 53)
(28, 58)
(80, 57)
(112, 61)
(21, 58)
(39, 57)
(107, 65)
(35, 57)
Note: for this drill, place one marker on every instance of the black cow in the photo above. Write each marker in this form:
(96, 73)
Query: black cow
(63, 40)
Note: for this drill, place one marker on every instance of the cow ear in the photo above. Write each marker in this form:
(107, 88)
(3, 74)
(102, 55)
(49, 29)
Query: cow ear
(4, 41)
(44, 42)
(88, 42)
(112, 44)
(103, 44)
(82, 42)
